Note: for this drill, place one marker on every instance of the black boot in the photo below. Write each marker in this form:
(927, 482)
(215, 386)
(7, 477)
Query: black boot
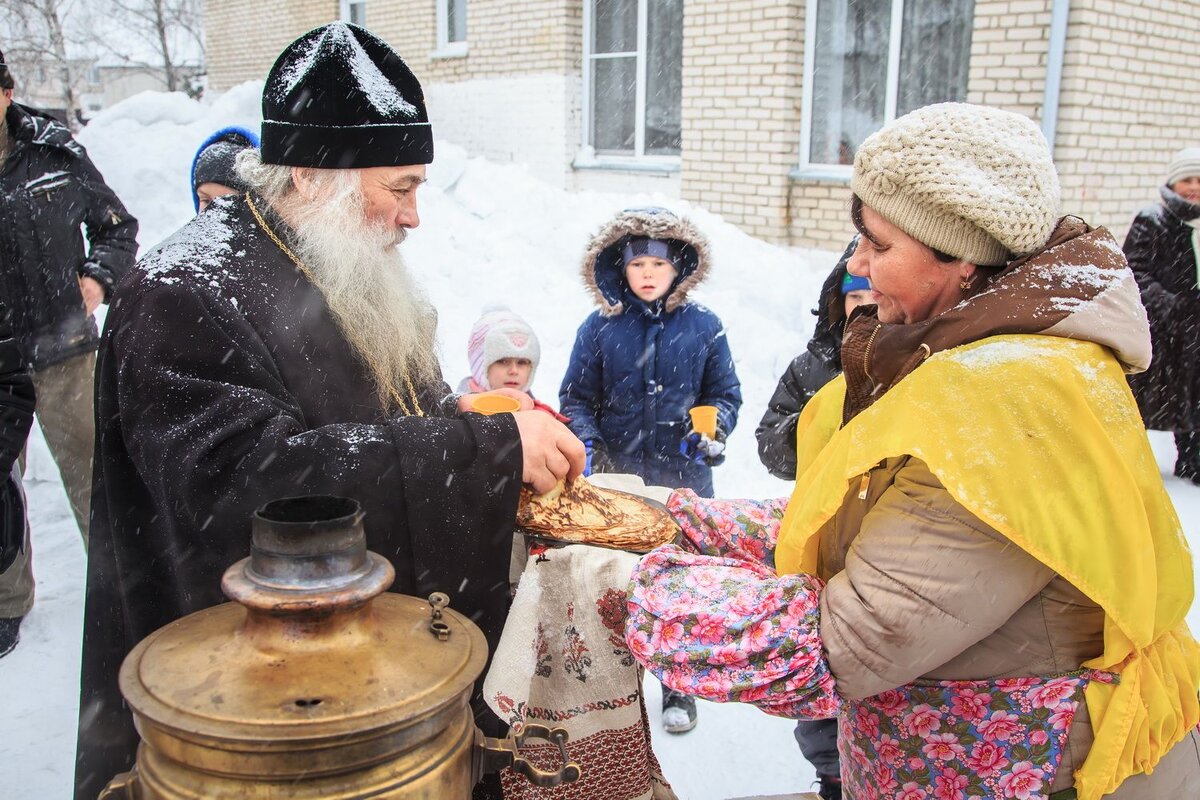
(679, 711)
(10, 634)
(831, 787)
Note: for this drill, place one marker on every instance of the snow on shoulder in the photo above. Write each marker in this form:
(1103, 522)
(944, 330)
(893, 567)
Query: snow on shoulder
(1001, 351)
(197, 252)
(1097, 368)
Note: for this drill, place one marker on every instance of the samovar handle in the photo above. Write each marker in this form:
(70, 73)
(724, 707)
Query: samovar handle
(122, 787)
(500, 753)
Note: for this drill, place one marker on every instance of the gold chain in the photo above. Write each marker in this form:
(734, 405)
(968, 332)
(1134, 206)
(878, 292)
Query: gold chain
(262, 223)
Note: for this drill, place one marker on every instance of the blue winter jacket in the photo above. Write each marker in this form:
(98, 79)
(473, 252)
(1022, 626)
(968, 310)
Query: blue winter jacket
(636, 368)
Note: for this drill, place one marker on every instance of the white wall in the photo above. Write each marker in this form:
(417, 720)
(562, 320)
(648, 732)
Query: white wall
(532, 120)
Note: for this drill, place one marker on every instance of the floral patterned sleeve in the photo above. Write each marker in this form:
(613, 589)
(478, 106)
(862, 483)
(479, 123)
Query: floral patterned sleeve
(720, 624)
(744, 529)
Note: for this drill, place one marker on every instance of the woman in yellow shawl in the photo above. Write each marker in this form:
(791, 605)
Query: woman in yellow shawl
(979, 570)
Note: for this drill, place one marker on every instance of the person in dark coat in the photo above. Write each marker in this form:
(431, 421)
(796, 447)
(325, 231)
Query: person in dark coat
(1163, 249)
(638, 366)
(820, 363)
(275, 346)
(16, 417)
(51, 281)
(214, 172)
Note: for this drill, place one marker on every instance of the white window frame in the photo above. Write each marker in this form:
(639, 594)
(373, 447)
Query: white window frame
(445, 47)
(344, 9)
(841, 172)
(638, 161)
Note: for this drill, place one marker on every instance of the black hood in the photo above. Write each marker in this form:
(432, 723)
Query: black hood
(31, 126)
(826, 343)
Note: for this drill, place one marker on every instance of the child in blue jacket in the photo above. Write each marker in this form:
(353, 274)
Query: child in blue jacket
(645, 358)
(648, 355)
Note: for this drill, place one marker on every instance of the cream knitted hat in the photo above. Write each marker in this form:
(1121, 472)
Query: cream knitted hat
(972, 181)
(1184, 164)
(500, 333)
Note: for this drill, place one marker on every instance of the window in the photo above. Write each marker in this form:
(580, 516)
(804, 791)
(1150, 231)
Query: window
(354, 11)
(870, 61)
(633, 77)
(452, 27)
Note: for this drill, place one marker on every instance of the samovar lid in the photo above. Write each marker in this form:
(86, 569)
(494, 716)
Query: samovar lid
(313, 648)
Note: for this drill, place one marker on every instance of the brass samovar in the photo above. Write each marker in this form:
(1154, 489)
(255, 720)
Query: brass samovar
(315, 682)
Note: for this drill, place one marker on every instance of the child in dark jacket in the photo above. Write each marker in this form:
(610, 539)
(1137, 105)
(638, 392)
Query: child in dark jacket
(649, 355)
(643, 360)
(819, 363)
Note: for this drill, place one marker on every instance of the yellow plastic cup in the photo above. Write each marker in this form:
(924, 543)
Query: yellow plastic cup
(704, 420)
(494, 404)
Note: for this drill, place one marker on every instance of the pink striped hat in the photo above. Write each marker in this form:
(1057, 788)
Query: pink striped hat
(498, 334)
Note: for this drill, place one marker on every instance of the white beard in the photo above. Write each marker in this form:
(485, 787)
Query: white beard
(377, 305)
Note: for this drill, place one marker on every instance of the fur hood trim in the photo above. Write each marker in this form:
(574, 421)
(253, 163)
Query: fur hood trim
(603, 268)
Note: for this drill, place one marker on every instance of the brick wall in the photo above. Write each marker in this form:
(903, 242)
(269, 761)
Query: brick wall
(514, 95)
(818, 209)
(242, 40)
(1124, 108)
(504, 38)
(1127, 94)
(742, 70)
(820, 215)
(1128, 103)
(1009, 46)
(1009, 43)
(533, 37)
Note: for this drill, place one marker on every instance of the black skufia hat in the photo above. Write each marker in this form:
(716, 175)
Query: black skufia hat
(340, 98)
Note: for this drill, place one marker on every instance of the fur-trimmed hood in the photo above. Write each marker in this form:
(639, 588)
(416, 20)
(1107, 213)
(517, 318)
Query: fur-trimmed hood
(603, 267)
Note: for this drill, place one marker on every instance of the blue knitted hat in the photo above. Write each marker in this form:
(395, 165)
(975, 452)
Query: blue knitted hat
(854, 283)
(639, 246)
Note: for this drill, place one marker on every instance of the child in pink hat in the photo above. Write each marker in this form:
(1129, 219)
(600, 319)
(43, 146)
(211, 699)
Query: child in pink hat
(503, 352)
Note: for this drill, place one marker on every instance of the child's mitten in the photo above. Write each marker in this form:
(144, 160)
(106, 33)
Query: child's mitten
(700, 449)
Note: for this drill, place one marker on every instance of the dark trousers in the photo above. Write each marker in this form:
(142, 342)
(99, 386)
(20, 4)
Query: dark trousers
(1187, 462)
(64, 413)
(818, 743)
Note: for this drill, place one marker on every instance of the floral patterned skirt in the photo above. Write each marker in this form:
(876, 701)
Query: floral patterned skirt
(953, 740)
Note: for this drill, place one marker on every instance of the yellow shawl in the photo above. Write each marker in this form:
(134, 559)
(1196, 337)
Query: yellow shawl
(1040, 438)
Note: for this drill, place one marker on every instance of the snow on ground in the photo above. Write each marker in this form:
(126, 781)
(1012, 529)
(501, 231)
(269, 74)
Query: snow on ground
(489, 233)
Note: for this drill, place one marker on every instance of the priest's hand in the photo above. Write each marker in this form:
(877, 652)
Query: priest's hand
(549, 450)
